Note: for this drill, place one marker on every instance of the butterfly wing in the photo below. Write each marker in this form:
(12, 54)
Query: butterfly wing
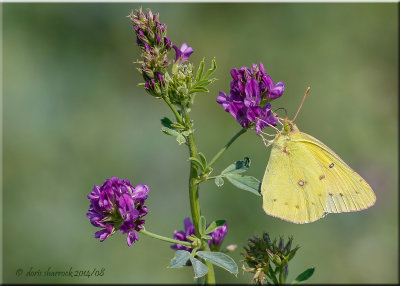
(291, 187)
(347, 191)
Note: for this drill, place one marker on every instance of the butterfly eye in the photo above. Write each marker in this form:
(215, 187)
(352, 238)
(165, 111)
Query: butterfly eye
(331, 165)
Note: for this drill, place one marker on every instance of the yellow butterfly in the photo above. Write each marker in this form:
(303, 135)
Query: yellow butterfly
(305, 180)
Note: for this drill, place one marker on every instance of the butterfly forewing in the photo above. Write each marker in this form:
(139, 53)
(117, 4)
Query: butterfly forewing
(291, 187)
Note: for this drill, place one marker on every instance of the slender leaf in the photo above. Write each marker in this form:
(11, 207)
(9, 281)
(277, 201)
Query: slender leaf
(200, 269)
(198, 89)
(219, 259)
(197, 162)
(202, 158)
(202, 225)
(247, 183)
(177, 126)
(304, 275)
(214, 225)
(219, 181)
(237, 167)
(200, 70)
(180, 259)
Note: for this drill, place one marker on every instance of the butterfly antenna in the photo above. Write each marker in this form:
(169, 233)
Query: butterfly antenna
(301, 104)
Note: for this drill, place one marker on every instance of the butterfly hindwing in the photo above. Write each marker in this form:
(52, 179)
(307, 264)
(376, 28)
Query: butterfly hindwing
(347, 191)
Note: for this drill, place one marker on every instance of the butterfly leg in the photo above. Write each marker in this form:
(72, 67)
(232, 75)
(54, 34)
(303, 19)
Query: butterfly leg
(269, 125)
(266, 142)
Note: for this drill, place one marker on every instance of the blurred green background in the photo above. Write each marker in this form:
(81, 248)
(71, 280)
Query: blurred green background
(74, 116)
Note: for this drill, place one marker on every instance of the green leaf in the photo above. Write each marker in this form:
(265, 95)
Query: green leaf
(180, 259)
(211, 70)
(181, 139)
(219, 181)
(200, 269)
(304, 276)
(177, 125)
(169, 131)
(202, 225)
(197, 162)
(202, 159)
(237, 167)
(219, 259)
(202, 83)
(247, 183)
(214, 225)
(200, 70)
(166, 122)
(207, 237)
(208, 170)
(198, 89)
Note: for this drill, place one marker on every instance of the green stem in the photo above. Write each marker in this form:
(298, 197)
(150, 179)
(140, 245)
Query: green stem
(193, 186)
(236, 136)
(174, 110)
(194, 196)
(167, 239)
(281, 277)
(210, 276)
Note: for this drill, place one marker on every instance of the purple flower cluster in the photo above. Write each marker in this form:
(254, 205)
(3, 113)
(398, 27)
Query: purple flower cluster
(217, 236)
(251, 92)
(118, 205)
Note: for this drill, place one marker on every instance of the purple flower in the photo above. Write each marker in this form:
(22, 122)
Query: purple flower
(117, 205)
(249, 97)
(183, 234)
(217, 236)
(183, 53)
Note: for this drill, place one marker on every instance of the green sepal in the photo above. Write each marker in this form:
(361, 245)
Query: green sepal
(305, 275)
(180, 259)
(219, 259)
